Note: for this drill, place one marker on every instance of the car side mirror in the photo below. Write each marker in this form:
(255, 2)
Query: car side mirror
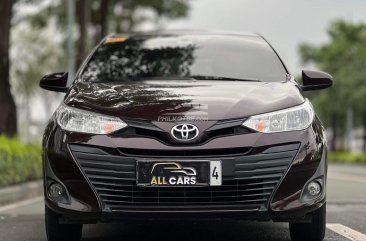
(315, 80)
(55, 82)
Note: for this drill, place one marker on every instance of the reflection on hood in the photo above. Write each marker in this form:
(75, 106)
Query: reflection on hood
(153, 99)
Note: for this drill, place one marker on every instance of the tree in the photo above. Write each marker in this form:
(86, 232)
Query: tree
(105, 16)
(83, 10)
(131, 17)
(344, 56)
(29, 46)
(8, 117)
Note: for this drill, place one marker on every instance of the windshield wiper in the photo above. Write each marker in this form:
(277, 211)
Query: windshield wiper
(207, 77)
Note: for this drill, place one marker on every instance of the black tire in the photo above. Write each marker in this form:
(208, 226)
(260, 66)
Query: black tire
(314, 231)
(61, 232)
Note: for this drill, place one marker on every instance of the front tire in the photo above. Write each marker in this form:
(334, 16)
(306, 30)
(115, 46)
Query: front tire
(61, 232)
(314, 231)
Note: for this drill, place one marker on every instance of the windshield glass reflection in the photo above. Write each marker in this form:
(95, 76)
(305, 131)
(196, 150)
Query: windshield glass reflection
(142, 57)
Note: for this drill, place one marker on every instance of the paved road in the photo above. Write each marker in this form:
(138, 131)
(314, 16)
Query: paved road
(346, 217)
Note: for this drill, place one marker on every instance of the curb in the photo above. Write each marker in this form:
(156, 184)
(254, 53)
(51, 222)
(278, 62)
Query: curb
(19, 192)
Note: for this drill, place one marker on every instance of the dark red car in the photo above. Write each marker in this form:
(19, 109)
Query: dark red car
(184, 125)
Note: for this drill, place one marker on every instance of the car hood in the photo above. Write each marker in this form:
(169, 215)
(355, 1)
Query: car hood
(183, 100)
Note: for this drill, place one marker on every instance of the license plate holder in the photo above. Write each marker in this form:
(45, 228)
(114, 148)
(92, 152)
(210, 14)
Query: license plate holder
(178, 173)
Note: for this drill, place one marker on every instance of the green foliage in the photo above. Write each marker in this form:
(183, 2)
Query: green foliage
(53, 9)
(19, 162)
(347, 157)
(344, 57)
(43, 54)
(123, 16)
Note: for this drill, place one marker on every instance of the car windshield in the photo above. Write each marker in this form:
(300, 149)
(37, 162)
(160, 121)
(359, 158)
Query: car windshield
(217, 57)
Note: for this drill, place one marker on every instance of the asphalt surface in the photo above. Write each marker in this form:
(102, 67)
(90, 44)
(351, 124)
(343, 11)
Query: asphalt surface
(346, 217)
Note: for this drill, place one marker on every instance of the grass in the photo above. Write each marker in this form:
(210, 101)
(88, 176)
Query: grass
(347, 157)
(19, 162)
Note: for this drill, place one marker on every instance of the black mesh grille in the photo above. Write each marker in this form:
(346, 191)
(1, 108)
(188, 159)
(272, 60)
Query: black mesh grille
(232, 192)
(248, 180)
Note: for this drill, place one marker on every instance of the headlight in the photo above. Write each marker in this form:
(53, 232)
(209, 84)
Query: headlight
(294, 118)
(72, 119)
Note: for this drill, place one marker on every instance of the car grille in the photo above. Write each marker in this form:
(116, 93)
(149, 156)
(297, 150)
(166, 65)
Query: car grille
(147, 129)
(248, 180)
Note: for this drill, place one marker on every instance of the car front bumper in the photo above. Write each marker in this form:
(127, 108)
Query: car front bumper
(264, 176)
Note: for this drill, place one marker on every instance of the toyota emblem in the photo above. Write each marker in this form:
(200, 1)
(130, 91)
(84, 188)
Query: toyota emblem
(184, 132)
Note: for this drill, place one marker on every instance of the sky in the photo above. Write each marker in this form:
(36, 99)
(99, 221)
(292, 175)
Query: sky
(284, 23)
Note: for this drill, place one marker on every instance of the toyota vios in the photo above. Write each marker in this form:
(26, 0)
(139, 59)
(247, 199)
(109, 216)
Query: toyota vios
(176, 125)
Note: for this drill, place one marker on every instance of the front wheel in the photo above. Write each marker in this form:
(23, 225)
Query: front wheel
(61, 232)
(314, 231)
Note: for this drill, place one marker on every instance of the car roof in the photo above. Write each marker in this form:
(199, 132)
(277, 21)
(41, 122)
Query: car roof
(183, 32)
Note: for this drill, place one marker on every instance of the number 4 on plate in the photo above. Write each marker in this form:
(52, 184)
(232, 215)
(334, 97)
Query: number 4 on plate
(215, 173)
